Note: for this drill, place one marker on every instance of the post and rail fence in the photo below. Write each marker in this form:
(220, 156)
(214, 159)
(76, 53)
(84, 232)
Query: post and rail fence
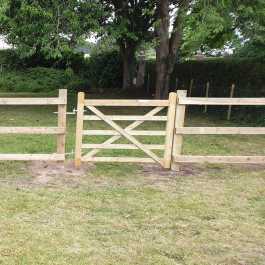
(174, 130)
(59, 131)
(180, 130)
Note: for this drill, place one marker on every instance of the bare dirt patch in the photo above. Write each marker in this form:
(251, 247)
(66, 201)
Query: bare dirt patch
(154, 174)
(65, 175)
(44, 173)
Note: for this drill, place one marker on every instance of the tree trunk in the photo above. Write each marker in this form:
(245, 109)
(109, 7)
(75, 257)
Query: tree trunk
(162, 50)
(166, 53)
(141, 71)
(128, 62)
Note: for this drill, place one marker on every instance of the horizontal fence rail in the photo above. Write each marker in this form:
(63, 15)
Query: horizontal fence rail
(60, 131)
(126, 118)
(31, 130)
(126, 103)
(31, 101)
(180, 130)
(121, 146)
(32, 157)
(134, 133)
(118, 159)
(117, 132)
(221, 159)
(220, 130)
(221, 101)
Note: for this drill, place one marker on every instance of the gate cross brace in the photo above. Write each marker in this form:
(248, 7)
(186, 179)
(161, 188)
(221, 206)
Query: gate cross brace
(125, 134)
(129, 127)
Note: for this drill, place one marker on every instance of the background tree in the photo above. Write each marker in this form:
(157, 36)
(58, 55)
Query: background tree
(250, 24)
(48, 28)
(178, 28)
(3, 7)
(185, 26)
(130, 24)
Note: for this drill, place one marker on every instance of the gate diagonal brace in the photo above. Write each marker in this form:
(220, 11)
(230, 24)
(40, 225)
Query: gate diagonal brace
(132, 126)
(125, 134)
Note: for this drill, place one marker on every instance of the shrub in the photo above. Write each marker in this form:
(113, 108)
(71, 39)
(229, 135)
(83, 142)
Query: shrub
(104, 70)
(39, 79)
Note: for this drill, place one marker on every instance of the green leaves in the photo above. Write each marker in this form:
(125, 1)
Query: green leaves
(49, 28)
(207, 25)
(129, 21)
(54, 27)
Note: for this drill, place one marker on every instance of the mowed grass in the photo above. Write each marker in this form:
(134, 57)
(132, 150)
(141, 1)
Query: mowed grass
(126, 213)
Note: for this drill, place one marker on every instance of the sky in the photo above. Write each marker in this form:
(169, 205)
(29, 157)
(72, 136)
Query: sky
(3, 45)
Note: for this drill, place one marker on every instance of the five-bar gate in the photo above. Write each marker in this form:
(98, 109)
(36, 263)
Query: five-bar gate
(128, 133)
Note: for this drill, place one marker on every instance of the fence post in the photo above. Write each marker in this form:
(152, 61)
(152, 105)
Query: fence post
(179, 123)
(191, 86)
(62, 109)
(229, 111)
(79, 128)
(207, 96)
(172, 102)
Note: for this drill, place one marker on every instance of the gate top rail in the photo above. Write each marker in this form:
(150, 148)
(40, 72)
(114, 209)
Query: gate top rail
(127, 102)
(221, 101)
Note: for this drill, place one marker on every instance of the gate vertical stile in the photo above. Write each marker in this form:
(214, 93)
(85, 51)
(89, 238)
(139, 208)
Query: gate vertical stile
(79, 128)
(172, 103)
(179, 123)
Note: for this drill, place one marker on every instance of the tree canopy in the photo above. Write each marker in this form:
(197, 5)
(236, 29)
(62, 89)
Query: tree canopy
(49, 27)
(177, 28)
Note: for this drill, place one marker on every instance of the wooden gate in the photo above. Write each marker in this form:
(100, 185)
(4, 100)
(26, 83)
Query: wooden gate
(59, 131)
(128, 133)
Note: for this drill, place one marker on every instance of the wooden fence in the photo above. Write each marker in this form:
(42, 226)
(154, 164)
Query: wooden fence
(180, 130)
(128, 133)
(60, 131)
(173, 133)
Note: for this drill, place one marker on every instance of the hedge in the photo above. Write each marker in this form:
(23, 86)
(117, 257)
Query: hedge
(104, 70)
(247, 75)
(40, 79)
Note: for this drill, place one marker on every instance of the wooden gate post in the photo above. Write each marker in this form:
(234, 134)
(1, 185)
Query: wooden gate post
(62, 109)
(79, 128)
(172, 103)
(179, 123)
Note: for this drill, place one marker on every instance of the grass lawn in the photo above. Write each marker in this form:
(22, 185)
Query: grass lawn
(127, 213)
